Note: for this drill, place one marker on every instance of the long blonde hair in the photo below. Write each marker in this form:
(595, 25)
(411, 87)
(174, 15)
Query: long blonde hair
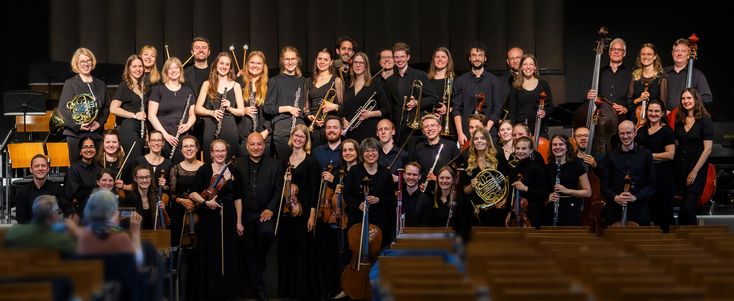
(262, 82)
(657, 65)
(155, 76)
(490, 155)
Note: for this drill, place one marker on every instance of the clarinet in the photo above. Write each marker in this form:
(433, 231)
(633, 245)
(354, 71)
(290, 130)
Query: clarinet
(252, 104)
(400, 220)
(142, 109)
(295, 104)
(219, 122)
(556, 204)
(453, 195)
(183, 116)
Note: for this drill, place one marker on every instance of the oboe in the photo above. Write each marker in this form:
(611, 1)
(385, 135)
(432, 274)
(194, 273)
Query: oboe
(183, 116)
(142, 109)
(453, 195)
(556, 203)
(219, 121)
(252, 104)
(295, 104)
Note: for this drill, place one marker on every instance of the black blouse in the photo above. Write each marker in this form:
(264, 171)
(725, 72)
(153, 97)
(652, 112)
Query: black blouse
(76, 86)
(282, 92)
(524, 104)
(171, 105)
(382, 213)
(130, 100)
(690, 144)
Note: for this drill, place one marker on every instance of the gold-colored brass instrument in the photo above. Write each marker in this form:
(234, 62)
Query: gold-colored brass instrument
(447, 90)
(416, 87)
(83, 108)
(492, 187)
(355, 122)
(320, 115)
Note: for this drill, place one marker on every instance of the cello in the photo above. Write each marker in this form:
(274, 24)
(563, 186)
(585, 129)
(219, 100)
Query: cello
(541, 143)
(364, 241)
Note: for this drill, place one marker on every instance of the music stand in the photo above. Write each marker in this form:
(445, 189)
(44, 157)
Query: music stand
(24, 102)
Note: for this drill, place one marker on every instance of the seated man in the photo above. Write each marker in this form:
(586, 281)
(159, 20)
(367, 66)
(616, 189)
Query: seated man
(45, 230)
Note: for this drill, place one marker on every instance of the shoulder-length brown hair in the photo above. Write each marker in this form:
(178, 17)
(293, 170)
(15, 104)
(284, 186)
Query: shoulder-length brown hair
(449, 67)
(570, 155)
(134, 84)
(520, 78)
(214, 75)
(699, 111)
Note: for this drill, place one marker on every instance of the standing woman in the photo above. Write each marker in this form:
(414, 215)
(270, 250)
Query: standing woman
(694, 134)
(220, 223)
(151, 76)
(563, 185)
(167, 103)
(220, 100)
(295, 240)
(80, 178)
(129, 105)
(322, 79)
(182, 181)
(358, 93)
(525, 94)
(381, 196)
(143, 196)
(83, 91)
(439, 72)
(659, 139)
(482, 155)
(445, 199)
(254, 90)
(281, 106)
(649, 73)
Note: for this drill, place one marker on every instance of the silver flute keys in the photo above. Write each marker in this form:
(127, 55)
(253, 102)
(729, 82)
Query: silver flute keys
(221, 109)
(252, 104)
(556, 203)
(295, 104)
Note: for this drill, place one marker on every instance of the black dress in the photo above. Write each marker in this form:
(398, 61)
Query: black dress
(212, 283)
(524, 105)
(164, 166)
(688, 150)
(134, 199)
(661, 203)
(130, 128)
(569, 207)
(440, 216)
(352, 102)
(228, 130)
(295, 244)
(182, 182)
(381, 214)
(171, 106)
(315, 97)
(656, 86)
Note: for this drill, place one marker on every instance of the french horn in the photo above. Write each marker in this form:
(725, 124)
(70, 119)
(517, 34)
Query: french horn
(83, 108)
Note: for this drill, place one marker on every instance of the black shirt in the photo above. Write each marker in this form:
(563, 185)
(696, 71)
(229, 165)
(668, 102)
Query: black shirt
(26, 194)
(425, 154)
(80, 180)
(504, 85)
(637, 163)
(171, 105)
(382, 213)
(130, 101)
(399, 87)
(195, 77)
(417, 208)
(466, 89)
(677, 82)
(262, 184)
(282, 92)
(613, 85)
(690, 146)
(389, 157)
(524, 104)
(74, 87)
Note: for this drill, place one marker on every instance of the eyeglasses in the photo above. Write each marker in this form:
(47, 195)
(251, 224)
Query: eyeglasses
(143, 178)
(357, 63)
(87, 146)
(85, 62)
(616, 49)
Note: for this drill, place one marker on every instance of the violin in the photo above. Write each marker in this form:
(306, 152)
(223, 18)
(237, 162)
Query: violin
(162, 220)
(339, 218)
(518, 217)
(481, 98)
(541, 143)
(641, 110)
(216, 184)
(324, 208)
(364, 241)
(624, 222)
(290, 190)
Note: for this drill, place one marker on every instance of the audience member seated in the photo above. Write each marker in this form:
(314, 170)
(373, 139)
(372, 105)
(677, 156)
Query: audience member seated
(45, 231)
(102, 234)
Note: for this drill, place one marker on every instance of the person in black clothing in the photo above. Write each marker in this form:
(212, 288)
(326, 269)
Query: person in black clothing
(318, 87)
(387, 68)
(678, 76)
(106, 180)
(285, 100)
(330, 152)
(524, 97)
(111, 154)
(151, 75)
(360, 90)
(345, 47)
(482, 156)
(416, 203)
(255, 88)
(441, 69)
(529, 179)
(196, 74)
(399, 87)
(167, 109)
(144, 198)
(659, 139)
(381, 196)
(262, 184)
(426, 152)
(83, 86)
(391, 157)
(504, 81)
(567, 181)
(80, 178)
(522, 130)
(648, 81)
(129, 105)
(614, 79)
(633, 161)
(469, 88)
(445, 199)
(694, 135)
(40, 185)
(154, 160)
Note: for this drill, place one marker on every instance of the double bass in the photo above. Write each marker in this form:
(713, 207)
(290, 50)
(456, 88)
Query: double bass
(364, 241)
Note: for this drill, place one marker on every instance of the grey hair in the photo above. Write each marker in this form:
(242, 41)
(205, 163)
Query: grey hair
(619, 40)
(370, 143)
(101, 206)
(44, 206)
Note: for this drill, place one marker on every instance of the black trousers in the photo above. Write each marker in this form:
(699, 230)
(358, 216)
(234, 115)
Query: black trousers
(258, 238)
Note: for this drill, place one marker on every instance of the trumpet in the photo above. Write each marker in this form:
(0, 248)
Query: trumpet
(416, 122)
(447, 90)
(355, 122)
(320, 114)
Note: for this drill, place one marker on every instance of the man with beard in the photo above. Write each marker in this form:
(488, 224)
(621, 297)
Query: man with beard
(399, 88)
(416, 206)
(344, 51)
(678, 76)
(504, 83)
(196, 74)
(330, 153)
(581, 135)
(39, 186)
(426, 152)
(468, 89)
(390, 151)
(628, 164)
(614, 79)
(262, 183)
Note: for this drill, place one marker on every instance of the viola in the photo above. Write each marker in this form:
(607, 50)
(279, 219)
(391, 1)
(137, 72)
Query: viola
(518, 217)
(293, 206)
(624, 222)
(364, 241)
(541, 143)
(339, 216)
(216, 184)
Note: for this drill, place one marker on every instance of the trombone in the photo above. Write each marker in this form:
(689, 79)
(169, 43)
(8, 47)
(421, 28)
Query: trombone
(417, 87)
(355, 122)
(320, 114)
(447, 90)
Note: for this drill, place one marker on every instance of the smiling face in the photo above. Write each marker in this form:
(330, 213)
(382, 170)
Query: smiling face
(298, 139)
(522, 149)
(411, 175)
(445, 180)
(224, 65)
(647, 56)
(255, 146)
(479, 141)
(323, 61)
(505, 132)
(148, 56)
(200, 50)
(582, 137)
(440, 60)
(680, 54)
(106, 182)
(255, 66)
(136, 68)
(333, 130)
(84, 64)
(88, 150)
(401, 58)
(386, 60)
(528, 67)
(143, 178)
(654, 112)
(219, 152)
(111, 144)
(359, 65)
(345, 51)
(155, 142)
(349, 152)
(617, 52)
(626, 132)
(39, 168)
(474, 124)
(385, 131)
(431, 128)
(514, 56)
(558, 147)
(174, 72)
(189, 149)
(290, 61)
(370, 155)
(687, 100)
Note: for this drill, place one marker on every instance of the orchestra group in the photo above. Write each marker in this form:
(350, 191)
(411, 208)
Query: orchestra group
(233, 160)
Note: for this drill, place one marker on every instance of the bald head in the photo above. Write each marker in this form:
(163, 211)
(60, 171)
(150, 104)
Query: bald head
(627, 134)
(255, 146)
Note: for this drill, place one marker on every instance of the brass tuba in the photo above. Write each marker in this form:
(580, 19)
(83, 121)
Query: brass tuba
(83, 108)
(417, 87)
(492, 187)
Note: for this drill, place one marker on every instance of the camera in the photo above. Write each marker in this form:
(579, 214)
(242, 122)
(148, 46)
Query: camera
(125, 214)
